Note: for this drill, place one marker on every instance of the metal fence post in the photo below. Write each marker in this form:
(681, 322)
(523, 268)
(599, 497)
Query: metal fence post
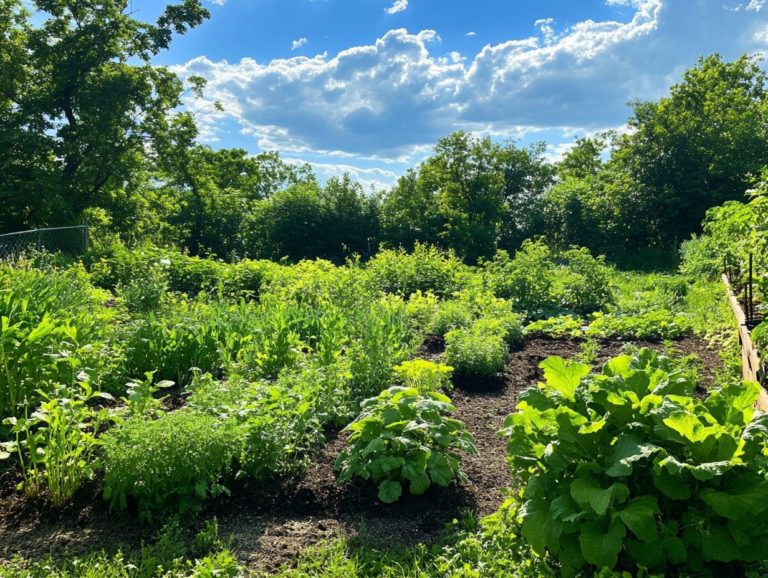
(85, 236)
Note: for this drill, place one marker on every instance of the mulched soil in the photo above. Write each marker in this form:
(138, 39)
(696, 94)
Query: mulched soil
(270, 527)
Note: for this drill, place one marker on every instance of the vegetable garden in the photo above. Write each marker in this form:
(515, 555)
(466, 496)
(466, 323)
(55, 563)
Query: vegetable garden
(537, 414)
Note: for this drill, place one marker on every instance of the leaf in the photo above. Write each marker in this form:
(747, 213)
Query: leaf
(638, 516)
(587, 492)
(672, 486)
(419, 484)
(719, 545)
(563, 376)
(743, 496)
(539, 528)
(390, 491)
(628, 451)
(601, 543)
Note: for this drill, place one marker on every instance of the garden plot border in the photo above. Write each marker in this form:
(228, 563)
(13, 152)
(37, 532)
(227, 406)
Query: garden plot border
(750, 359)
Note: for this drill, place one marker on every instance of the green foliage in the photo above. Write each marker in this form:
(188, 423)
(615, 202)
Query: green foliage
(382, 340)
(539, 280)
(56, 444)
(451, 314)
(145, 294)
(627, 469)
(479, 351)
(425, 269)
(405, 435)
(557, 327)
(170, 464)
(140, 397)
(652, 325)
(424, 375)
(51, 329)
(84, 112)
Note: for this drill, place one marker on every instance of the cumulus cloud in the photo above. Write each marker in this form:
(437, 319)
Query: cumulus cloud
(471, 33)
(399, 6)
(389, 101)
(298, 43)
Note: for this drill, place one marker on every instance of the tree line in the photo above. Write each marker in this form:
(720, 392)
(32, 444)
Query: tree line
(90, 128)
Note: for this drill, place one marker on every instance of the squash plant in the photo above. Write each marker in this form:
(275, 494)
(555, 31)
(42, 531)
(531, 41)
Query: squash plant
(626, 469)
(405, 436)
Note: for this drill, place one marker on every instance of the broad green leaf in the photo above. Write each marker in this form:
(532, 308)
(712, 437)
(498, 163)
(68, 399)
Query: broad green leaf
(718, 544)
(743, 496)
(587, 492)
(390, 491)
(419, 484)
(675, 550)
(638, 516)
(628, 451)
(541, 531)
(601, 542)
(563, 376)
(673, 486)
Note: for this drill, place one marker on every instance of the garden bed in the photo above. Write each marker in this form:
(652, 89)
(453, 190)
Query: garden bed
(270, 527)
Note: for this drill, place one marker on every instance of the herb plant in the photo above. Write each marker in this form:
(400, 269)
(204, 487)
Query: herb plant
(404, 436)
(476, 352)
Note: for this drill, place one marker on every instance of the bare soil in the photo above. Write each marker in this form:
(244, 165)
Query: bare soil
(270, 526)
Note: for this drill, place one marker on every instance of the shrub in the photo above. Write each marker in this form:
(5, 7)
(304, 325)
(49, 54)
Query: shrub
(405, 436)
(424, 375)
(541, 281)
(168, 465)
(476, 352)
(627, 469)
(451, 315)
(507, 326)
(426, 269)
(145, 293)
(381, 340)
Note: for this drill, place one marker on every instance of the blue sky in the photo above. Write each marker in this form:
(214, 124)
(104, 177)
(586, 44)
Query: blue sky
(368, 86)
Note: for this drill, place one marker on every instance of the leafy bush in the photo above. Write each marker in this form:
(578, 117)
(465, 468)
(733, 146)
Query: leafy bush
(55, 444)
(51, 329)
(452, 314)
(424, 375)
(145, 293)
(627, 469)
(404, 435)
(557, 327)
(541, 281)
(508, 327)
(420, 309)
(426, 269)
(653, 325)
(168, 465)
(172, 343)
(381, 340)
(476, 352)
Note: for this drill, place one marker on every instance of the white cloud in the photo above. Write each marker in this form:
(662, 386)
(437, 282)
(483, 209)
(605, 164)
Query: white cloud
(387, 102)
(472, 33)
(756, 5)
(398, 6)
(298, 43)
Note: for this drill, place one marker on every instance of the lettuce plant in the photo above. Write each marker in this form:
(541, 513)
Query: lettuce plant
(404, 436)
(626, 469)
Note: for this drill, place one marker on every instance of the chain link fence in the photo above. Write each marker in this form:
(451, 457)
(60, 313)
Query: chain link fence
(68, 240)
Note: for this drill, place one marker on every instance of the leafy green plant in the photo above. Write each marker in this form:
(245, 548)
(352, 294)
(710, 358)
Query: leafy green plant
(425, 269)
(476, 352)
(56, 444)
(556, 327)
(405, 436)
(452, 314)
(626, 469)
(653, 325)
(145, 293)
(170, 464)
(424, 375)
(140, 396)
